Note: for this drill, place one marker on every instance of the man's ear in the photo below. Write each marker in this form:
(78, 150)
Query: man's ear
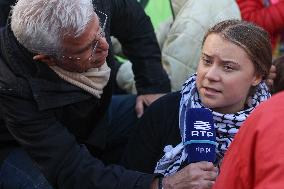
(46, 59)
(257, 79)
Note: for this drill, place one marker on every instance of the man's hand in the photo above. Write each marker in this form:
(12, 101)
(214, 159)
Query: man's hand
(201, 175)
(271, 76)
(145, 100)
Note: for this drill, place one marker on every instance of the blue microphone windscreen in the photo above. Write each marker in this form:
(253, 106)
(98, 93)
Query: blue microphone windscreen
(200, 135)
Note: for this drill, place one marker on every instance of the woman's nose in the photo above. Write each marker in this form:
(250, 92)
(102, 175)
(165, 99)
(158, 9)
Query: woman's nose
(213, 73)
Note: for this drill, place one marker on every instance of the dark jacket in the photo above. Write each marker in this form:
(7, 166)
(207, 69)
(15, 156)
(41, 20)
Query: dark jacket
(130, 25)
(4, 10)
(52, 119)
(153, 133)
(7, 2)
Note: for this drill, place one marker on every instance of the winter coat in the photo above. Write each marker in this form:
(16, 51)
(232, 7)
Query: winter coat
(4, 10)
(265, 14)
(255, 159)
(182, 47)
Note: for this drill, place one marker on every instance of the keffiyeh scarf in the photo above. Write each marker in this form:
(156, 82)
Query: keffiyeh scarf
(226, 126)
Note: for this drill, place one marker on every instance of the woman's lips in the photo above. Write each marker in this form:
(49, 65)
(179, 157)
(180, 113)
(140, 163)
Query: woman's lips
(210, 91)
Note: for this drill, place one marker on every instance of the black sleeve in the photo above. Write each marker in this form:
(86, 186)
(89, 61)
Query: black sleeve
(4, 13)
(5, 7)
(157, 128)
(65, 163)
(133, 28)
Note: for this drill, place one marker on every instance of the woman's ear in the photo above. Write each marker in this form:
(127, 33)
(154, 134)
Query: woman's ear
(257, 79)
(45, 58)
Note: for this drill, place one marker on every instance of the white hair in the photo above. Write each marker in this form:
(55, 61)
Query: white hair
(40, 25)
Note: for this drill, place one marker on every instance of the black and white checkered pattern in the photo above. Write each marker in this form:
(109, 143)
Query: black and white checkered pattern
(226, 125)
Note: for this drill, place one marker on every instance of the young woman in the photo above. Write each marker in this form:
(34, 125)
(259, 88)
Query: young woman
(236, 58)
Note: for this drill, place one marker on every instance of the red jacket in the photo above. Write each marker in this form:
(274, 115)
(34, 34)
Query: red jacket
(265, 14)
(255, 159)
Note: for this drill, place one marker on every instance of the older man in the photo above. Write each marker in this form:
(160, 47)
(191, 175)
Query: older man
(128, 22)
(53, 98)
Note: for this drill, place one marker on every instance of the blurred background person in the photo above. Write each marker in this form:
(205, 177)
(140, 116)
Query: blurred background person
(278, 83)
(180, 40)
(268, 14)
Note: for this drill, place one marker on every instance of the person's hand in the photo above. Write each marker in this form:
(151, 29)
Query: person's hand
(201, 175)
(271, 76)
(145, 100)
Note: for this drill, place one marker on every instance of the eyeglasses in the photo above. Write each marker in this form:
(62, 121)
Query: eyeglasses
(96, 42)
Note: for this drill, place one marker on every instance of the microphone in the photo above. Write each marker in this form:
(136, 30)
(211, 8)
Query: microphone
(200, 135)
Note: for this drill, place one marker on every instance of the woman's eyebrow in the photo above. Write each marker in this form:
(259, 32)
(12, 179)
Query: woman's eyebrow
(223, 61)
(204, 54)
(229, 61)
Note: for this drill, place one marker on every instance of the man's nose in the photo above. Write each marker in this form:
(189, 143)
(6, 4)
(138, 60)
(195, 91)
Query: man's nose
(103, 44)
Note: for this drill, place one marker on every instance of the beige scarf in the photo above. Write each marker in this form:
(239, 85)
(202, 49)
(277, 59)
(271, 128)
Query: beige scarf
(92, 81)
